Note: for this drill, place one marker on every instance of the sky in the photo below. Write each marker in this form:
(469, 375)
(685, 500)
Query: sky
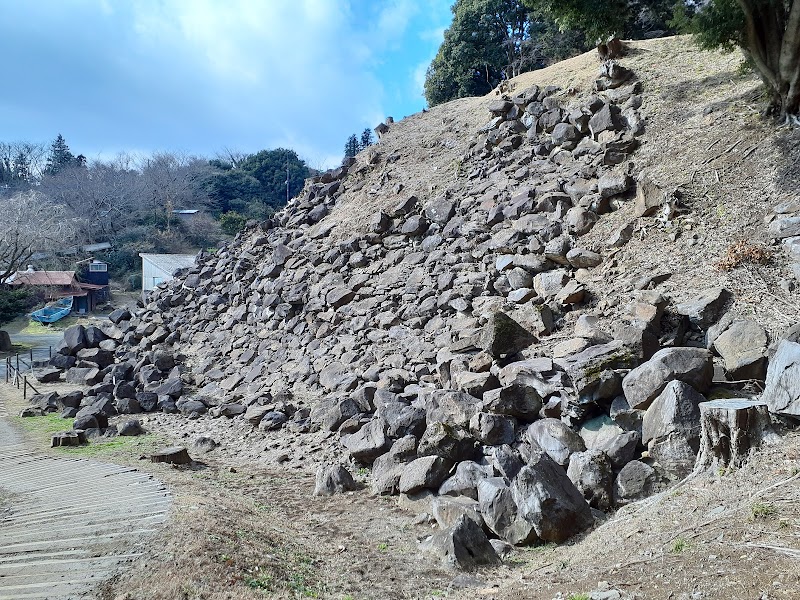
(204, 76)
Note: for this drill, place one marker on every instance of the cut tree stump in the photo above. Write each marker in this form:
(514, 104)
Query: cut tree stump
(175, 455)
(75, 437)
(731, 429)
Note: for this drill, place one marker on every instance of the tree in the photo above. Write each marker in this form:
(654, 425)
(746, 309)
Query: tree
(60, 156)
(22, 164)
(766, 31)
(768, 34)
(351, 147)
(366, 139)
(31, 223)
(480, 46)
(599, 20)
(492, 40)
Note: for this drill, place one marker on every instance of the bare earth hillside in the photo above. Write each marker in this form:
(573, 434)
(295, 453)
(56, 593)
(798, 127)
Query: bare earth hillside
(363, 327)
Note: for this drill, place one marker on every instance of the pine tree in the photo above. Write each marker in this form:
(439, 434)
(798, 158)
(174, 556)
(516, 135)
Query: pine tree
(366, 139)
(60, 156)
(351, 148)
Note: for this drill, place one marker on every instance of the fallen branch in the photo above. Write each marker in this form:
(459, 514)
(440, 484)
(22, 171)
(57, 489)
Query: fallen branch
(775, 486)
(793, 552)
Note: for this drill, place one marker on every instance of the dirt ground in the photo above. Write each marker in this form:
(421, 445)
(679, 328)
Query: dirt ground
(241, 530)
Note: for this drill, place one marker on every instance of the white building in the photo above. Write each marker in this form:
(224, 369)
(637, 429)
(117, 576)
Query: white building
(157, 268)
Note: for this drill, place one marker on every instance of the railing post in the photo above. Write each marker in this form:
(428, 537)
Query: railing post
(25, 388)
(17, 362)
(31, 355)
(50, 352)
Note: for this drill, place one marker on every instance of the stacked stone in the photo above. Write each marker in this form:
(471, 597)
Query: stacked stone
(418, 339)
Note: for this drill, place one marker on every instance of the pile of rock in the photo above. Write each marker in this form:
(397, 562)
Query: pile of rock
(423, 341)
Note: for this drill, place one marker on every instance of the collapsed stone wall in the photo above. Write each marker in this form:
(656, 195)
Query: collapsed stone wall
(425, 342)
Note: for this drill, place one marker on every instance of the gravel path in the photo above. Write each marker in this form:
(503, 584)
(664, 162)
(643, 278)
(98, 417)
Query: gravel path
(68, 524)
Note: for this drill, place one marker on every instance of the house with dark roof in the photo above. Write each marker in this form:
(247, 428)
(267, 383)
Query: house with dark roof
(54, 285)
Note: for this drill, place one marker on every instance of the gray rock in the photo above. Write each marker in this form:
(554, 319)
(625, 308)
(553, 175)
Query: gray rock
(446, 441)
(675, 410)
(427, 472)
(148, 401)
(518, 399)
(607, 118)
(549, 501)
(464, 482)
(556, 439)
(127, 406)
(368, 443)
(440, 211)
(492, 429)
(706, 308)
(130, 428)
(463, 546)
(591, 369)
(333, 480)
(90, 417)
(614, 183)
(47, 375)
(503, 336)
(448, 509)
(743, 347)
(782, 388)
(75, 339)
(580, 258)
(690, 365)
(635, 481)
(272, 420)
(592, 474)
(329, 413)
(500, 512)
(204, 444)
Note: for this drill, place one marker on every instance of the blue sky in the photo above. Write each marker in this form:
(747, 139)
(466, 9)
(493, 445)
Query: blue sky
(199, 76)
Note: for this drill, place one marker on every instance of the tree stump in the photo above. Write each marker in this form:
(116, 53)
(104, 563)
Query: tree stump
(731, 430)
(174, 455)
(76, 437)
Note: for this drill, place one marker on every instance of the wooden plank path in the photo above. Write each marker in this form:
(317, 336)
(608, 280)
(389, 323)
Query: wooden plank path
(68, 524)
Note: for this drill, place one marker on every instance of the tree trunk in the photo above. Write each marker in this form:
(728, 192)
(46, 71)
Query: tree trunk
(731, 429)
(175, 455)
(772, 43)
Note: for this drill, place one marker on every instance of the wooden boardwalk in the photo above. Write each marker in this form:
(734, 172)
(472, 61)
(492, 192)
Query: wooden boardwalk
(68, 524)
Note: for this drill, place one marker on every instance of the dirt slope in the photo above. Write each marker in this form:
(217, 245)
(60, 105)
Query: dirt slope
(731, 535)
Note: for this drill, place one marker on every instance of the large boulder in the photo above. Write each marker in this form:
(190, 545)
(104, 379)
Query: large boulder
(743, 347)
(462, 546)
(449, 442)
(591, 472)
(691, 365)
(782, 388)
(333, 479)
(556, 439)
(75, 339)
(635, 481)
(500, 512)
(427, 472)
(592, 370)
(675, 410)
(705, 308)
(368, 443)
(466, 479)
(503, 336)
(549, 501)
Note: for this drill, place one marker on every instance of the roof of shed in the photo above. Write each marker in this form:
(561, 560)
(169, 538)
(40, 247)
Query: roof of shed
(169, 262)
